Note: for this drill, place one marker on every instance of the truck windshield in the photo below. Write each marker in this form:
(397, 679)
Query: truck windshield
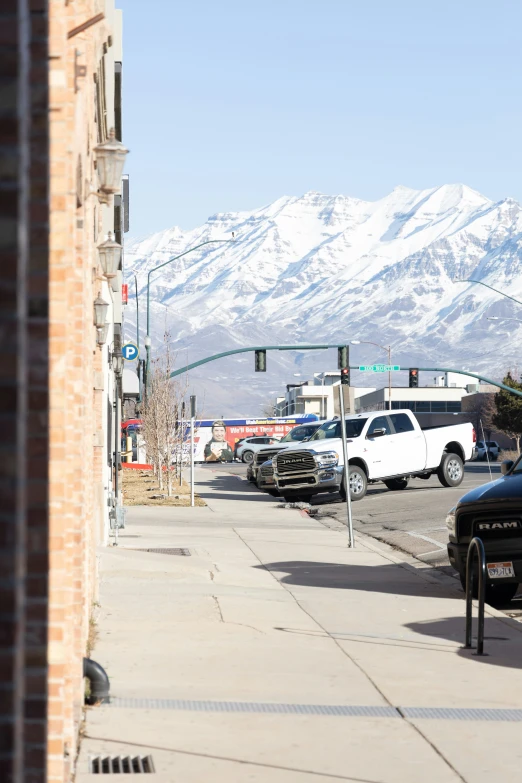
(332, 429)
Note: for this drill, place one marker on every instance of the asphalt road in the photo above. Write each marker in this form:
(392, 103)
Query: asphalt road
(412, 520)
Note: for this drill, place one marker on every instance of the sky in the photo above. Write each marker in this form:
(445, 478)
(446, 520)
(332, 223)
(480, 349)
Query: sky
(230, 105)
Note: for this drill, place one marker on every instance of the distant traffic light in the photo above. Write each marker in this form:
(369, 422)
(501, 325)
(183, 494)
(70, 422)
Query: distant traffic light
(343, 356)
(345, 376)
(414, 378)
(260, 361)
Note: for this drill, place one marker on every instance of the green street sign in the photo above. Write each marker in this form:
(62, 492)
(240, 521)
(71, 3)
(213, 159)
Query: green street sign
(379, 367)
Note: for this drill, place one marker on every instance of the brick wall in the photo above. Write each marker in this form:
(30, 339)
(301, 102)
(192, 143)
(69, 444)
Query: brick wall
(51, 405)
(23, 389)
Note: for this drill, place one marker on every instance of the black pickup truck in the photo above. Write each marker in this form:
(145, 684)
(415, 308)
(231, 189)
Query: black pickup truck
(493, 512)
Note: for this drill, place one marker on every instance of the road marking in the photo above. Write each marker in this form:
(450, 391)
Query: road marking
(426, 538)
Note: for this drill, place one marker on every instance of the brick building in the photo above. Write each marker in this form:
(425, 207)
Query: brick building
(60, 71)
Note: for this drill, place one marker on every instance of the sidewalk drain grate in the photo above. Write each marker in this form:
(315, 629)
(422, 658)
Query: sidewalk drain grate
(457, 713)
(167, 551)
(121, 765)
(263, 707)
(341, 710)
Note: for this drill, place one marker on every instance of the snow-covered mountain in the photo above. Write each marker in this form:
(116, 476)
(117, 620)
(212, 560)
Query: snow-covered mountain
(328, 269)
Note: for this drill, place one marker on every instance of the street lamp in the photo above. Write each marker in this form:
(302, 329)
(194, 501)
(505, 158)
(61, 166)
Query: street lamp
(500, 318)
(100, 311)
(110, 159)
(388, 351)
(101, 334)
(479, 282)
(117, 362)
(174, 258)
(110, 257)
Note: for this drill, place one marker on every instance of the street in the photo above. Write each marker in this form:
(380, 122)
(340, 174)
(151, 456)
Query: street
(411, 520)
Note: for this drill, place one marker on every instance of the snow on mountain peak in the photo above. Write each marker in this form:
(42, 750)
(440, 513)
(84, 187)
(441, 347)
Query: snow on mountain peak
(321, 268)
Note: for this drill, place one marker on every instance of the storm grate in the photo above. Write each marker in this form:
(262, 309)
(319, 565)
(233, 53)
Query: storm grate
(458, 713)
(167, 551)
(340, 710)
(121, 765)
(262, 707)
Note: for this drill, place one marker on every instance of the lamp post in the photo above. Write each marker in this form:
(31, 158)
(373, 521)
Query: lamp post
(117, 366)
(388, 351)
(479, 282)
(499, 318)
(174, 258)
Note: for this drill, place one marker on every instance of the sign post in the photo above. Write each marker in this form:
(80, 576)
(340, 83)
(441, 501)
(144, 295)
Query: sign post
(351, 542)
(192, 423)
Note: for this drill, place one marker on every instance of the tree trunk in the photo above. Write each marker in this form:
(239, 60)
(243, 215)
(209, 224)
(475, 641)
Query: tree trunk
(160, 472)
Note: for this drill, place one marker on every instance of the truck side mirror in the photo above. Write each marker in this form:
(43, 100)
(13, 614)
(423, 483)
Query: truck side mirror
(378, 433)
(506, 466)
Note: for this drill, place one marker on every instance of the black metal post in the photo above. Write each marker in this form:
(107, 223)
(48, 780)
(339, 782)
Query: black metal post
(476, 545)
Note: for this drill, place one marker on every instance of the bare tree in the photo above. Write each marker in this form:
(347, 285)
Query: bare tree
(268, 409)
(480, 410)
(160, 430)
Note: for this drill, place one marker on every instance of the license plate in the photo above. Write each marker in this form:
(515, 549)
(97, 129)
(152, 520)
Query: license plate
(500, 570)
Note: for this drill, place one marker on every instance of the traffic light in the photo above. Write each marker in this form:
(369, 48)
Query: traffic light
(414, 378)
(343, 356)
(260, 361)
(345, 376)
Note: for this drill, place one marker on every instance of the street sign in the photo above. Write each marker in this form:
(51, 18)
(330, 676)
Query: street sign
(130, 352)
(379, 367)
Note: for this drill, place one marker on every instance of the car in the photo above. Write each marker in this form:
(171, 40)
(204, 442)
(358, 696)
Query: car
(265, 479)
(488, 447)
(298, 434)
(387, 446)
(248, 446)
(493, 513)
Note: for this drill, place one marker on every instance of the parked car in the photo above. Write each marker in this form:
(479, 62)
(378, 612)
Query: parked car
(493, 512)
(296, 435)
(265, 479)
(248, 446)
(389, 447)
(485, 447)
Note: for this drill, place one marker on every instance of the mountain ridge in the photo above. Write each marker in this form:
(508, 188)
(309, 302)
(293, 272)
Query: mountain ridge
(319, 268)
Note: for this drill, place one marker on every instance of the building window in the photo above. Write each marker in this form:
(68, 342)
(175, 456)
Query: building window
(455, 407)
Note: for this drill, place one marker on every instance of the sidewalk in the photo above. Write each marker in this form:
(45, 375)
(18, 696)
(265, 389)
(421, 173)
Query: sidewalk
(274, 653)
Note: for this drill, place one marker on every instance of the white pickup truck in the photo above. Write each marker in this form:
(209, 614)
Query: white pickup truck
(382, 446)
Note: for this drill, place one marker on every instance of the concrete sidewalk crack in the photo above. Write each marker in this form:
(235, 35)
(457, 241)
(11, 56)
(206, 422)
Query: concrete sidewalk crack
(228, 622)
(370, 679)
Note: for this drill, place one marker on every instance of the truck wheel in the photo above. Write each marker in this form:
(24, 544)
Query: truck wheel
(247, 456)
(397, 483)
(496, 595)
(358, 484)
(451, 470)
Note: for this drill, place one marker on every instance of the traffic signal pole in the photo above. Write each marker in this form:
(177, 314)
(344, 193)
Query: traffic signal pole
(213, 358)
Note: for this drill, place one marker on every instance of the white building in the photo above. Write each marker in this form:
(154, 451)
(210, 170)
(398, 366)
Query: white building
(316, 395)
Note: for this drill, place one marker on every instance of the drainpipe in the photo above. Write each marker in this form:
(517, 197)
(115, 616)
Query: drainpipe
(99, 682)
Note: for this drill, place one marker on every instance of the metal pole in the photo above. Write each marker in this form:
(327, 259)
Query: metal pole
(137, 315)
(351, 542)
(174, 258)
(117, 436)
(389, 378)
(192, 421)
(192, 425)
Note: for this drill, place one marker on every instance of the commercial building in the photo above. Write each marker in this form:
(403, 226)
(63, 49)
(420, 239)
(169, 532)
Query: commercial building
(60, 385)
(317, 395)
